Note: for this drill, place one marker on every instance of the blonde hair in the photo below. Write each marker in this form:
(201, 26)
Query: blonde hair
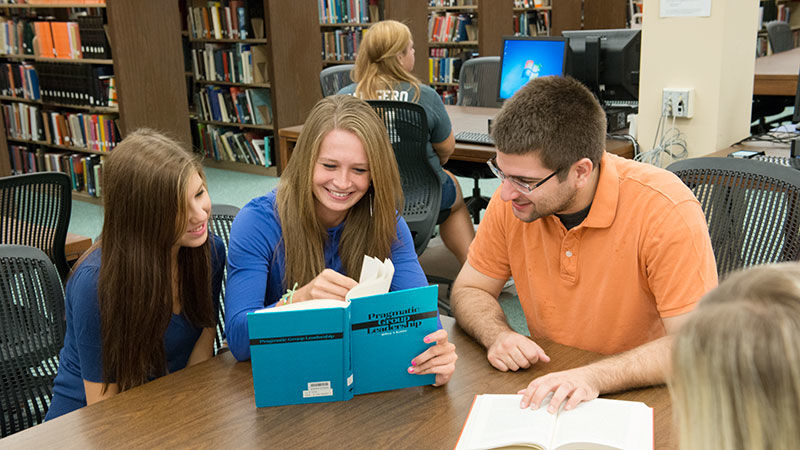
(377, 63)
(736, 364)
(368, 229)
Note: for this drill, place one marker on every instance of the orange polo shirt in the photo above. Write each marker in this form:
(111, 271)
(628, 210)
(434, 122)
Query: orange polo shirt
(641, 254)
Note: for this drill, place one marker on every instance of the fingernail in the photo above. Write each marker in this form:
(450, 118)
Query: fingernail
(427, 339)
(413, 363)
(410, 370)
(551, 409)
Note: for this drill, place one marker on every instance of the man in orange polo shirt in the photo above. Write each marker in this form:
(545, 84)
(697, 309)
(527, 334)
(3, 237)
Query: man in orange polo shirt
(608, 254)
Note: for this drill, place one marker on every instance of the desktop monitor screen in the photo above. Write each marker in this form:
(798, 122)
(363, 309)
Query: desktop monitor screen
(606, 61)
(526, 58)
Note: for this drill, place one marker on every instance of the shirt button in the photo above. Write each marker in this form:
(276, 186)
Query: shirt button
(569, 254)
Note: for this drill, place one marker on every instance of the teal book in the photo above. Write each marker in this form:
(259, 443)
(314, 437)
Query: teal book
(329, 350)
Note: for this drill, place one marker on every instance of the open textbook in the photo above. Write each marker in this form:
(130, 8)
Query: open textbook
(328, 350)
(497, 421)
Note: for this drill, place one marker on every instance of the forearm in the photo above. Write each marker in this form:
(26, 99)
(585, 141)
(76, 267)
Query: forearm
(645, 365)
(203, 348)
(479, 314)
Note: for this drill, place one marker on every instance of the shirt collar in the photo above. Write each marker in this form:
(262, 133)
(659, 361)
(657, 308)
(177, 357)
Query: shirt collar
(606, 197)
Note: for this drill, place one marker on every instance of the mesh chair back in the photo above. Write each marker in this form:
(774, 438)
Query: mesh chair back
(780, 36)
(478, 82)
(32, 328)
(752, 209)
(220, 224)
(34, 211)
(334, 78)
(407, 126)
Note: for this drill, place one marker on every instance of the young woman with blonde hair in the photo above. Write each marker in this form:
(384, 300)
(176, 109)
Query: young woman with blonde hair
(142, 302)
(736, 364)
(337, 200)
(383, 72)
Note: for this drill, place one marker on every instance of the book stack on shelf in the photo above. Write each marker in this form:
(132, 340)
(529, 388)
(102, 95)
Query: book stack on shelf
(57, 91)
(229, 89)
(452, 39)
(342, 24)
(532, 17)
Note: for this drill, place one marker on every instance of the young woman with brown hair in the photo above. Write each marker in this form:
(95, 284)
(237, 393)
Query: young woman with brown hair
(336, 202)
(142, 302)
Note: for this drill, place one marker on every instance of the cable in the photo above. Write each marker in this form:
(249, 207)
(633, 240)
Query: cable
(781, 137)
(626, 137)
(669, 145)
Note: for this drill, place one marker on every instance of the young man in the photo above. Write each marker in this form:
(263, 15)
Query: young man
(607, 254)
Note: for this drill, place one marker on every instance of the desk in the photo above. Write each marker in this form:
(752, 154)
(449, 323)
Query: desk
(211, 405)
(75, 246)
(463, 118)
(776, 74)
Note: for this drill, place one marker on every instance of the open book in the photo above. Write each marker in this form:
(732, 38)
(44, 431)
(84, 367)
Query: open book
(330, 350)
(497, 421)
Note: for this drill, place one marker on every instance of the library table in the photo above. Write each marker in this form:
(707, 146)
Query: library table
(211, 405)
(776, 74)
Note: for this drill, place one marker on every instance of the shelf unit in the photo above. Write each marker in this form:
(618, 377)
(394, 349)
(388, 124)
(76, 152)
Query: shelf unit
(344, 33)
(782, 7)
(541, 17)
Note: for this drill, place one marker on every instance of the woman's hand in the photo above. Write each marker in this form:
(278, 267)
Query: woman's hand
(329, 284)
(439, 359)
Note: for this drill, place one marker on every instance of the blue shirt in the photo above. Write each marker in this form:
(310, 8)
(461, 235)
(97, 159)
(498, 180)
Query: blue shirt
(81, 357)
(256, 266)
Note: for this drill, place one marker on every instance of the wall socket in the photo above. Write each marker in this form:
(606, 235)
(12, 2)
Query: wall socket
(681, 101)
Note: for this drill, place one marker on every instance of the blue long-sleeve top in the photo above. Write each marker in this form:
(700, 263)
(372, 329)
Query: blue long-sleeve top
(256, 264)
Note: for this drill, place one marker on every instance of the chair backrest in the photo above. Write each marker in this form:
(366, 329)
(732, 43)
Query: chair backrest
(334, 78)
(780, 36)
(407, 126)
(220, 224)
(35, 210)
(32, 327)
(478, 82)
(752, 209)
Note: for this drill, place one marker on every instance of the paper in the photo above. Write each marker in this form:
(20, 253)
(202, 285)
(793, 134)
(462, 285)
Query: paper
(685, 8)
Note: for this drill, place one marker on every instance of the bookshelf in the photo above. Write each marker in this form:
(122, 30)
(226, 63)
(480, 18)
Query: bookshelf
(783, 10)
(587, 15)
(532, 18)
(342, 25)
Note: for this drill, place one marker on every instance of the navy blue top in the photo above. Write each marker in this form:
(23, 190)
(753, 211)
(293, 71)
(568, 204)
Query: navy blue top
(256, 265)
(81, 357)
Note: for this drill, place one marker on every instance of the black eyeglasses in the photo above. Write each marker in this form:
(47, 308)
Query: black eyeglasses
(525, 188)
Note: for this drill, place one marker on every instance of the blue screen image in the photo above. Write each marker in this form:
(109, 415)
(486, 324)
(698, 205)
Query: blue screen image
(524, 60)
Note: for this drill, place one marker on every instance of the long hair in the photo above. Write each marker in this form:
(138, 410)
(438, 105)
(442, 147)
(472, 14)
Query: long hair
(377, 65)
(364, 233)
(736, 364)
(145, 190)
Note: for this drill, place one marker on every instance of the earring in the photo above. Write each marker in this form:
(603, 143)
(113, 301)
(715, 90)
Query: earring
(370, 204)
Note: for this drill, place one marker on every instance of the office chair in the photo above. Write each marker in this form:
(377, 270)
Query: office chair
(35, 210)
(478, 84)
(780, 37)
(752, 209)
(334, 78)
(32, 327)
(220, 224)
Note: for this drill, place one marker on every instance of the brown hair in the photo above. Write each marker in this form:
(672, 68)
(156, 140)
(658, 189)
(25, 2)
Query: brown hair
(363, 234)
(556, 118)
(377, 64)
(736, 364)
(144, 196)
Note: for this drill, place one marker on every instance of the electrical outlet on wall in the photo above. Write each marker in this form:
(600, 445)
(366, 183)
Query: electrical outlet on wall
(678, 102)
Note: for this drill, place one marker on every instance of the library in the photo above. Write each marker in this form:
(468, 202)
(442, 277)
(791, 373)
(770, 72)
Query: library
(221, 128)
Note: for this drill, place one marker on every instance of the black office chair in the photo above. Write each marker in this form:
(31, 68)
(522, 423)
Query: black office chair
(220, 224)
(334, 78)
(35, 210)
(32, 327)
(752, 209)
(780, 37)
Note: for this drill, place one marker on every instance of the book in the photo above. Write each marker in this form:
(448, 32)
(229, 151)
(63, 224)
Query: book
(330, 350)
(497, 421)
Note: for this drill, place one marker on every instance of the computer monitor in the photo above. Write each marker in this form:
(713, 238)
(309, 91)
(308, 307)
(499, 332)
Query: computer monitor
(526, 58)
(606, 61)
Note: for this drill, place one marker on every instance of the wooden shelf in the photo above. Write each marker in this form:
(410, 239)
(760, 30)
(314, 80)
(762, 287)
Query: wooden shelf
(235, 125)
(59, 147)
(345, 25)
(338, 61)
(453, 44)
(444, 84)
(53, 6)
(57, 60)
(453, 8)
(538, 8)
(84, 197)
(230, 83)
(92, 109)
(240, 167)
(228, 41)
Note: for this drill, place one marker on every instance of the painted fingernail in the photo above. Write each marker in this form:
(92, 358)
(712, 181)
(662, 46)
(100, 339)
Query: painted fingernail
(413, 363)
(410, 370)
(427, 339)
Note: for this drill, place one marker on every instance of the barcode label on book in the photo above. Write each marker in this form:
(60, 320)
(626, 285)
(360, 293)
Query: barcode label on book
(318, 389)
(319, 385)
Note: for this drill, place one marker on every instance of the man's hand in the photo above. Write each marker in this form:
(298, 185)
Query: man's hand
(576, 385)
(513, 351)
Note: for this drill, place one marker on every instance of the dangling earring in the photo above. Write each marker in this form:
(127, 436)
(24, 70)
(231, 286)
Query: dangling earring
(370, 204)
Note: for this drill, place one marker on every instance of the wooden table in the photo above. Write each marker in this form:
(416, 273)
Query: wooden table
(463, 118)
(776, 74)
(211, 405)
(76, 245)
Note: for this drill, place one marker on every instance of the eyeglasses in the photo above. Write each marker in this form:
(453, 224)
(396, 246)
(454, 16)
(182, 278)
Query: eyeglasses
(525, 188)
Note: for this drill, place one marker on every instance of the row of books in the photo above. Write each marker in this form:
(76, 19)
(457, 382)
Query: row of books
(444, 70)
(219, 21)
(96, 132)
(224, 144)
(449, 96)
(19, 80)
(451, 27)
(83, 38)
(533, 23)
(76, 84)
(347, 11)
(440, 3)
(784, 12)
(342, 44)
(85, 171)
(238, 63)
(531, 3)
(234, 105)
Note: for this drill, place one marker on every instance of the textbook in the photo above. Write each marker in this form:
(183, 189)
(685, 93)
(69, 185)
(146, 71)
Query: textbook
(497, 421)
(329, 350)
